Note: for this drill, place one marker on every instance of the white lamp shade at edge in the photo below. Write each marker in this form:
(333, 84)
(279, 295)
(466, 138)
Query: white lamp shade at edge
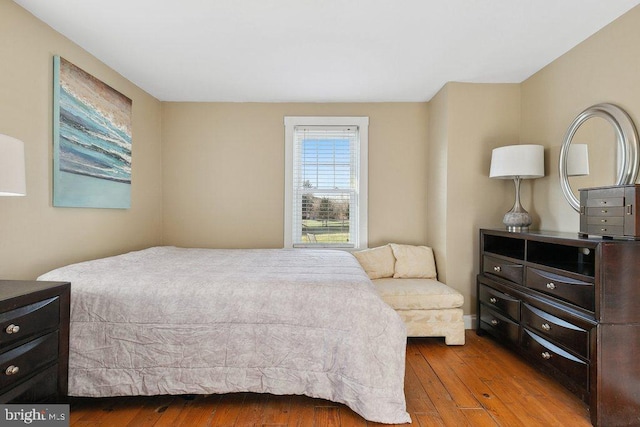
(525, 161)
(578, 160)
(12, 167)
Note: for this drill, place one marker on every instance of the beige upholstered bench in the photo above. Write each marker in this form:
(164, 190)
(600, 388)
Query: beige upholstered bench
(405, 278)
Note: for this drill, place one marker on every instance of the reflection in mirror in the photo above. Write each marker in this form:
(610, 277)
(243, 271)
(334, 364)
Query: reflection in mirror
(578, 160)
(598, 138)
(613, 148)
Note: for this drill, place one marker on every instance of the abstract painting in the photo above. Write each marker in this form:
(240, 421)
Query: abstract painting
(92, 141)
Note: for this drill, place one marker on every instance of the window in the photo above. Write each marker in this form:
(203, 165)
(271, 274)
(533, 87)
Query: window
(326, 182)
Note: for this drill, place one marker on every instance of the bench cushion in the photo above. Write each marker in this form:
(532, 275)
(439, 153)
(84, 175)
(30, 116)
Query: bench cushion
(417, 294)
(377, 262)
(413, 262)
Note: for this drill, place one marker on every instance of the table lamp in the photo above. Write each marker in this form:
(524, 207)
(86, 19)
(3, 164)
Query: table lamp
(517, 162)
(12, 170)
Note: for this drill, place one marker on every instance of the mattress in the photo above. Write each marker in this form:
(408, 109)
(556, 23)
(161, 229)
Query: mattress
(169, 320)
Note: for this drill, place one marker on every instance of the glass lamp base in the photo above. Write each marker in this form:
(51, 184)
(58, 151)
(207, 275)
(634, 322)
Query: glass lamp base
(518, 229)
(517, 221)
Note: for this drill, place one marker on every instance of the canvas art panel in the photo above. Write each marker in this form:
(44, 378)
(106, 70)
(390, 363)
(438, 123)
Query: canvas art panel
(92, 141)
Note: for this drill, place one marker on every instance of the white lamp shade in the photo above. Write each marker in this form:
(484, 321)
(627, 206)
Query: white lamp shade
(525, 161)
(12, 170)
(578, 160)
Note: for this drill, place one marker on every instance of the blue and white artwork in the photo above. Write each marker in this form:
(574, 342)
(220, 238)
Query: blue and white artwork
(92, 141)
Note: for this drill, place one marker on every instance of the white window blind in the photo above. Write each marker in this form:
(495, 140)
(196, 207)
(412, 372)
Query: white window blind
(326, 186)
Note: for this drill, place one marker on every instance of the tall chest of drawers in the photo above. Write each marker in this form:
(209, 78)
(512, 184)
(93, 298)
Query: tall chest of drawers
(34, 341)
(571, 306)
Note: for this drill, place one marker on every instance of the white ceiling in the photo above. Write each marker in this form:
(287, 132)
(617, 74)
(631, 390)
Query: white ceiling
(323, 50)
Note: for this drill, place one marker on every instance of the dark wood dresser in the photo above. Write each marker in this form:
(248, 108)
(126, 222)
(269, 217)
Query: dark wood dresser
(34, 341)
(571, 306)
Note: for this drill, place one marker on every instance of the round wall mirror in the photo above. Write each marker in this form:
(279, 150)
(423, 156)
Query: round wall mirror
(607, 135)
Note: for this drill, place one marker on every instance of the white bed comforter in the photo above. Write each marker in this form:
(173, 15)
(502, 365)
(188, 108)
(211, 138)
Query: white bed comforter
(168, 320)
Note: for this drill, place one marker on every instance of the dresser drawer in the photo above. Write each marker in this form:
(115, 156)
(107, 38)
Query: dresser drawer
(501, 268)
(28, 320)
(498, 325)
(605, 230)
(574, 291)
(556, 329)
(606, 221)
(605, 202)
(24, 361)
(500, 301)
(606, 211)
(553, 356)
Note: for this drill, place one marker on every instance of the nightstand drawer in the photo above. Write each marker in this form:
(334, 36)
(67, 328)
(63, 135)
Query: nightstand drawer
(574, 291)
(24, 361)
(549, 354)
(29, 320)
(508, 270)
(556, 329)
(39, 388)
(500, 301)
(498, 325)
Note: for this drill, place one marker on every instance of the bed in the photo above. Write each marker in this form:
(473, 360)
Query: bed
(168, 320)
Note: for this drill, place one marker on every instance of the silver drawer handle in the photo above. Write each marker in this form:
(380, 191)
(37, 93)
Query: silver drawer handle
(493, 300)
(494, 322)
(12, 370)
(603, 229)
(545, 355)
(12, 329)
(546, 327)
(604, 202)
(497, 268)
(603, 220)
(604, 211)
(551, 285)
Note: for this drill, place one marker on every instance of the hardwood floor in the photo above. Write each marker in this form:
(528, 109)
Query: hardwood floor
(478, 384)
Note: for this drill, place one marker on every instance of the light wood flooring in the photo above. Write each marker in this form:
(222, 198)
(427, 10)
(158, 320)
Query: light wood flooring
(478, 384)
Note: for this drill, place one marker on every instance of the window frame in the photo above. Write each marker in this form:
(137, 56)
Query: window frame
(290, 123)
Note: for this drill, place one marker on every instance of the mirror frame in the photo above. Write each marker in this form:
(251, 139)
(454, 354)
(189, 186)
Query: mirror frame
(627, 142)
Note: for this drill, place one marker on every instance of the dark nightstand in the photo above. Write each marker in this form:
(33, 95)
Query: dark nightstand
(34, 341)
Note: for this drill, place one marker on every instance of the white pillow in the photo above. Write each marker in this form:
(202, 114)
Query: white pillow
(377, 262)
(413, 262)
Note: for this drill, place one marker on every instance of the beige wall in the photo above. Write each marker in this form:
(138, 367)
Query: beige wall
(604, 68)
(437, 179)
(467, 122)
(223, 171)
(34, 236)
(216, 179)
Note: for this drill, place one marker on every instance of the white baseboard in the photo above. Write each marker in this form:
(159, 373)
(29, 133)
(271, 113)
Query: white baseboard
(469, 321)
